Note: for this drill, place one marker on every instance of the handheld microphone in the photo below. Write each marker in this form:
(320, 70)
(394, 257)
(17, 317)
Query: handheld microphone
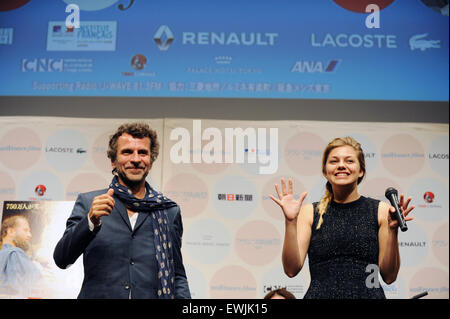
(422, 294)
(392, 194)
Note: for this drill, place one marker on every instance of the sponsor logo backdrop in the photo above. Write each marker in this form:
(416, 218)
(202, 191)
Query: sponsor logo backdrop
(274, 49)
(233, 232)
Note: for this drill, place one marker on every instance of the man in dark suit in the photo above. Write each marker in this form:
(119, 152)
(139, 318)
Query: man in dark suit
(129, 234)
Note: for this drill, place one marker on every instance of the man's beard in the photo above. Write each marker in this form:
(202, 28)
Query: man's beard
(23, 244)
(128, 182)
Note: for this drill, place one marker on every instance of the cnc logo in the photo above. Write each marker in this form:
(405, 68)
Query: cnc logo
(42, 65)
(267, 289)
(163, 38)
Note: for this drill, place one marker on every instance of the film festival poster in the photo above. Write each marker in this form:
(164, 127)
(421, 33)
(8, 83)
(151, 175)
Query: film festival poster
(47, 221)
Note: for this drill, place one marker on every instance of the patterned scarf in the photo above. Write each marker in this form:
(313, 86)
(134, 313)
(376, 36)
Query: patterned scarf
(155, 204)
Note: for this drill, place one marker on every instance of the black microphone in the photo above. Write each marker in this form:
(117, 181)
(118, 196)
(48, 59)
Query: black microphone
(422, 294)
(392, 194)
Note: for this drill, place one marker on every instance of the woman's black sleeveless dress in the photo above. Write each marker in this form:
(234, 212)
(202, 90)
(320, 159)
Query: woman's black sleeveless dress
(343, 253)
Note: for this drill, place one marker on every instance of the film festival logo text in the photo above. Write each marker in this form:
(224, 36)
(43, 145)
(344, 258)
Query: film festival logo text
(258, 149)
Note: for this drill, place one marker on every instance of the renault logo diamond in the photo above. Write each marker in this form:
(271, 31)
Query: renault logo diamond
(163, 38)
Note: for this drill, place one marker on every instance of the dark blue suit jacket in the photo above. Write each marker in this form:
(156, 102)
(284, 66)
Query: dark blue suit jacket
(116, 258)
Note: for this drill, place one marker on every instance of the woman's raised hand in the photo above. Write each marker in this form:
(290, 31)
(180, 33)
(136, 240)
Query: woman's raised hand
(287, 202)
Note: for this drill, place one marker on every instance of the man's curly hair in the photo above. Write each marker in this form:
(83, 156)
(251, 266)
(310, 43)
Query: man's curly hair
(137, 130)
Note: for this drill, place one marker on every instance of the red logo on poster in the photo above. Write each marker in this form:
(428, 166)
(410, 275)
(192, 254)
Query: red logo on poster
(6, 5)
(361, 5)
(428, 197)
(40, 190)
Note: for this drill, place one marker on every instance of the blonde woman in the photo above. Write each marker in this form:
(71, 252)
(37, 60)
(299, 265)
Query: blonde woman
(345, 235)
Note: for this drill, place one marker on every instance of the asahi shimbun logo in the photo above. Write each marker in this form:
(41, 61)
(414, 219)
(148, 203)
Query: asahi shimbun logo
(231, 152)
(235, 197)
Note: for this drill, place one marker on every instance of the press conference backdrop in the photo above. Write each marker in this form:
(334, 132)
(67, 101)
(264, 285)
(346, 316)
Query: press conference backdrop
(233, 232)
(231, 49)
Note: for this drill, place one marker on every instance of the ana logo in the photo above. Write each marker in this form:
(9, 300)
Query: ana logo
(40, 190)
(163, 38)
(315, 66)
(428, 197)
(138, 62)
(419, 42)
